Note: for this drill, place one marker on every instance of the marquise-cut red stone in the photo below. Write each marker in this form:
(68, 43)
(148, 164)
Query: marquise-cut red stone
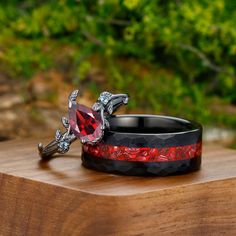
(85, 123)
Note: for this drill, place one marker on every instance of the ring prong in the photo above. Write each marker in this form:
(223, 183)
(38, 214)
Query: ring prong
(72, 97)
(106, 124)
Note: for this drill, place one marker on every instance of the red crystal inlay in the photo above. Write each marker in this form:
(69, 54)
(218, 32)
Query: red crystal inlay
(85, 123)
(144, 154)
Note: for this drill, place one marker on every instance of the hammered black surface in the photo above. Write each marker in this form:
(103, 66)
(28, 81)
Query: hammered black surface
(153, 141)
(141, 168)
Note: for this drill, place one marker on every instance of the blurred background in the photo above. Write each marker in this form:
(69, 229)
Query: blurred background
(172, 57)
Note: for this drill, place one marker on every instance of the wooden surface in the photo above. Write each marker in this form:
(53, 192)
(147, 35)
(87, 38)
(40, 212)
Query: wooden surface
(60, 197)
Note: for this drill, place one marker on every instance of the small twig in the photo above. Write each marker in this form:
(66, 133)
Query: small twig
(203, 57)
(114, 21)
(92, 38)
(209, 64)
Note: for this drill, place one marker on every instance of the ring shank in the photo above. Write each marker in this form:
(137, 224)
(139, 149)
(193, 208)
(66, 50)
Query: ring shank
(49, 150)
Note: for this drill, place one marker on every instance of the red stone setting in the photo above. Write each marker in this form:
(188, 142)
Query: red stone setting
(85, 123)
(144, 154)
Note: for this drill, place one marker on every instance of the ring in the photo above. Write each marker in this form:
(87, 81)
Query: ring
(84, 123)
(128, 144)
(146, 145)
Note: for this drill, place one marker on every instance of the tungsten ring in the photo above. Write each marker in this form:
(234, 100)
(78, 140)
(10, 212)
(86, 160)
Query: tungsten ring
(127, 144)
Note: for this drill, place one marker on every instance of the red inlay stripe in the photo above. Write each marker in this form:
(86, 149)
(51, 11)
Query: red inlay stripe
(144, 154)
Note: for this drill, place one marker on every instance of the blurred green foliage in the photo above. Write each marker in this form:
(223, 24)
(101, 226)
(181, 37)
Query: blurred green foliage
(174, 57)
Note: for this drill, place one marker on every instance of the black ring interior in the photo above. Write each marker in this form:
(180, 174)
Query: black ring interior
(150, 124)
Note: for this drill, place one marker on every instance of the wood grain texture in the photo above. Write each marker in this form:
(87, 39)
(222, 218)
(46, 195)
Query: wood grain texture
(60, 197)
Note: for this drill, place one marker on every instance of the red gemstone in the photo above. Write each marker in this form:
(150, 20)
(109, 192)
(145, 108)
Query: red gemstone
(85, 123)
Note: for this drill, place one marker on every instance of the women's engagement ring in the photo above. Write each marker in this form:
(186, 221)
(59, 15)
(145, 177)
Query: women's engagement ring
(84, 123)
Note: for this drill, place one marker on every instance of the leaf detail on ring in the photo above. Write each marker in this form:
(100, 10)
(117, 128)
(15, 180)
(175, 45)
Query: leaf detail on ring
(96, 106)
(58, 135)
(74, 95)
(125, 100)
(65, 122)
(110, 108)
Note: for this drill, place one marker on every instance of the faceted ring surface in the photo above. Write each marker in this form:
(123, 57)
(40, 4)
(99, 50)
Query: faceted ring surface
(84, 123)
